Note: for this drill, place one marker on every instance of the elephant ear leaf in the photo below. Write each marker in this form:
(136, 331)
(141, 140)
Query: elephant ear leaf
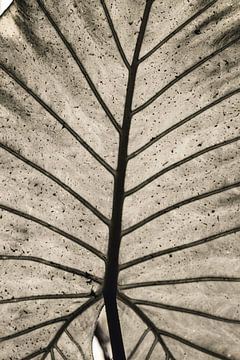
(120, 145)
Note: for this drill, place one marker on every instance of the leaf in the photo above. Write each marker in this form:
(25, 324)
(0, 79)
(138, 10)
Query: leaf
(119, 149)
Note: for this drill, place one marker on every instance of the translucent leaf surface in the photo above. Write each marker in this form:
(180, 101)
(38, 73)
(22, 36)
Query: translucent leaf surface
(120, 178)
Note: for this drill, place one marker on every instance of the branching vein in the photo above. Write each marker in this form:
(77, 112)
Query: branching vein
(149, 354)
(54, 229)
(182, 75)
(180, 281)
(34, 354)
(52, 355)
(83, 201)
(185, 310)
(138, 344)
(161, 332)
(114, 33)
(45, 297)
(177, 30)
(68, 321)
(182, 122)
(59, 119)
(179, 163)
(177, 205)
(179, 248)
(75, 343)
(126, 300)
(192, 345)
(52, 264)
(80, 65)
(60, 353)
(33, 328)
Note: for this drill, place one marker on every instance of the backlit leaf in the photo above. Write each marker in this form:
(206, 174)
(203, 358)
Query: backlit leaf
(120, 178)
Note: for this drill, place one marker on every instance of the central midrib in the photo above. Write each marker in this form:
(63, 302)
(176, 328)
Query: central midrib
(115, 230)
(112, 266)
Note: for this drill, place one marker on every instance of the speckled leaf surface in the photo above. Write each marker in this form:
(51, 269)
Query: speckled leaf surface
(120, 178)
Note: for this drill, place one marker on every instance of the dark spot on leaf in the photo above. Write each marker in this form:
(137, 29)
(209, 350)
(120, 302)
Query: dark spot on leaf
(197, 31)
